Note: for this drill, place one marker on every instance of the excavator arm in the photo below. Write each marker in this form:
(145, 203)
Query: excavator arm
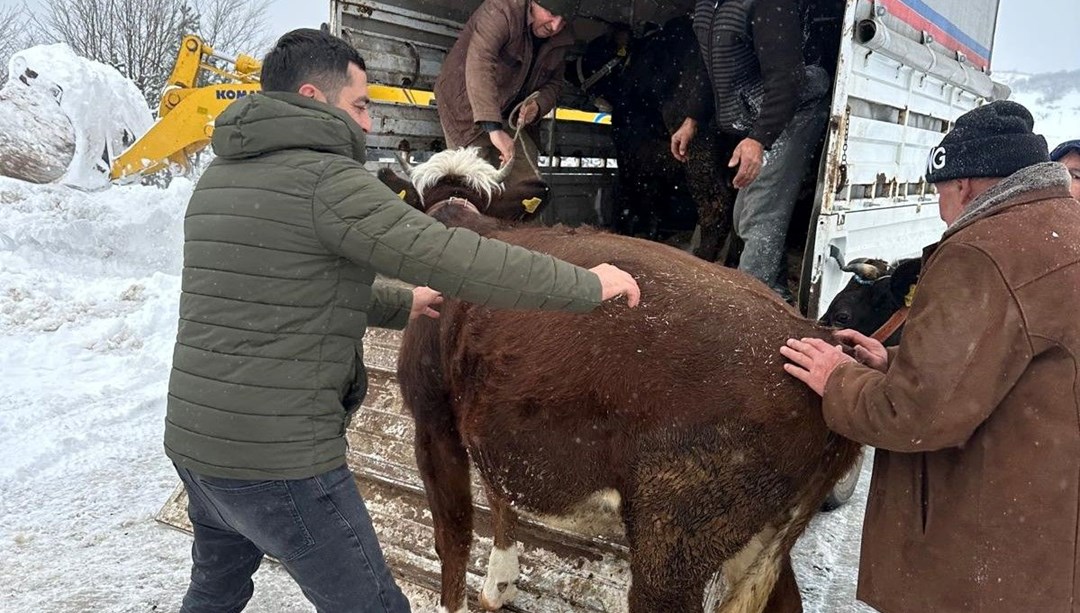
(187, 111)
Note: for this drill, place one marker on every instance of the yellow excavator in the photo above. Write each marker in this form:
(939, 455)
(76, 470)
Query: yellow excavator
(187, 111)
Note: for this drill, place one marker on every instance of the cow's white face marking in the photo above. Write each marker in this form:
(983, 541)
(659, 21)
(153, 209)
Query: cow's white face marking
(465, 163)
(502, 573)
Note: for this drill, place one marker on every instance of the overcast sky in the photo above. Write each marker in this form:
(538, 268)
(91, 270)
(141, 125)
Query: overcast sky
(1032, 35)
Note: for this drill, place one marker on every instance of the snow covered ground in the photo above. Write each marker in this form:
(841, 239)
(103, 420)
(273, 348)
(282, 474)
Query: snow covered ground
(89, 284)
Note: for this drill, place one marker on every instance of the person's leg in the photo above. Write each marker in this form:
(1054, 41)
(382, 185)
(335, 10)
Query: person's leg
(320, 531)
(763, 209)
(345, 571)
(223, 560)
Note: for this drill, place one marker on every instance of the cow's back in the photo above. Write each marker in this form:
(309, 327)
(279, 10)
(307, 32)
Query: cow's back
(697, 361)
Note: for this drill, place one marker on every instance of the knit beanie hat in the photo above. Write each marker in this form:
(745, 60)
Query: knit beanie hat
(562, 8)
(1065, 148)
(993, 140)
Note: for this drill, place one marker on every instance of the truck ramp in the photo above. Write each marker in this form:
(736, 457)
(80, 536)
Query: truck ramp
(562, 571)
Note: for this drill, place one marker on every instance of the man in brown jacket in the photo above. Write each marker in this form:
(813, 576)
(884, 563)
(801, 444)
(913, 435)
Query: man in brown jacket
(975, 501)
(506, 71)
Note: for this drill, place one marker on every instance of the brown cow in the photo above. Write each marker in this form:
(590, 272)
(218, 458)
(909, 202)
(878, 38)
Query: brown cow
(676, 413)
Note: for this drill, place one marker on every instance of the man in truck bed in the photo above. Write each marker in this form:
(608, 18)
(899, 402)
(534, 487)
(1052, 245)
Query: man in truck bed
(765, 94)
(506, 69)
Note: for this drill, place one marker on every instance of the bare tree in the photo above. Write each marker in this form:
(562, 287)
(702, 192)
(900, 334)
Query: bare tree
(14, 35)
(138, 37)
(234, 26)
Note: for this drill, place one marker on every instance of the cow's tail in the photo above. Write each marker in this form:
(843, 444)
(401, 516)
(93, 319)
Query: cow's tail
(751, 592)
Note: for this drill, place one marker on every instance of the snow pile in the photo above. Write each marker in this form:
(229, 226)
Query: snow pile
(89, 292)
(106, 110)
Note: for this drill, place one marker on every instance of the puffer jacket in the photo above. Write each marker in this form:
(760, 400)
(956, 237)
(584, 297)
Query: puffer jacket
(283, 237)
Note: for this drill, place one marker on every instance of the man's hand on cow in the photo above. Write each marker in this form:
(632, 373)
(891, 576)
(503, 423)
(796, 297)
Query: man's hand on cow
(504, 143)
(748, 158)
(813, 360)
(680, 140)
(868, 351)
(423, 301)
(528, 113)
(615, 282)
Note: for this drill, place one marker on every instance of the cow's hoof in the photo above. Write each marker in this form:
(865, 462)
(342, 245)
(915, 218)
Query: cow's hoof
(495, 599)
(499, 588)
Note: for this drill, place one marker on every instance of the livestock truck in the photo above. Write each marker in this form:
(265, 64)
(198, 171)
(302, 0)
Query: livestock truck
(903, 70)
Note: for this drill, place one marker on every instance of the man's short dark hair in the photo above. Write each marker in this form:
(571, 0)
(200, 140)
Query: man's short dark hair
(309, 56)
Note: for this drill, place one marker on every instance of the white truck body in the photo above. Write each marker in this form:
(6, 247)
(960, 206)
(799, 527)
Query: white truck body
(908, 69)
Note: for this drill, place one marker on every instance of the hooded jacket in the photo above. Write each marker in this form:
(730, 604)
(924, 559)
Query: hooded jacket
(283, 237)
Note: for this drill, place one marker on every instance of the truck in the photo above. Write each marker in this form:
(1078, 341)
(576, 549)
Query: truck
(904, 70)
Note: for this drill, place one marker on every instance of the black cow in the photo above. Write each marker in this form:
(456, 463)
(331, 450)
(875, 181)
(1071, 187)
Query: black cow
(876, 290)
(649, 83)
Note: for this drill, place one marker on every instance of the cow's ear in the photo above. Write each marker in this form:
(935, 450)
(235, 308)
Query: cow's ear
(904, 278)
(401, 187)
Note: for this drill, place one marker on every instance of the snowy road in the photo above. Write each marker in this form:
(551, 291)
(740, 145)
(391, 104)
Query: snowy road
(89, 284)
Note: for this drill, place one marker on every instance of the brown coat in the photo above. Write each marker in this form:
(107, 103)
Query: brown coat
(487, 71)
(974, 501)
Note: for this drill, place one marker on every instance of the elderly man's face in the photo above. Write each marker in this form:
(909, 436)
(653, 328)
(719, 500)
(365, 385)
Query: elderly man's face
(545, 24)
(950, 200)
(1072, 162)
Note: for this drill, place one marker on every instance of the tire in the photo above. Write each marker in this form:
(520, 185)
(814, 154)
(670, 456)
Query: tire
(844, 488)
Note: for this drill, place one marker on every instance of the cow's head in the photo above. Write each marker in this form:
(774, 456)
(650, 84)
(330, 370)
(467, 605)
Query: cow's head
(452, 182)
(875, 292)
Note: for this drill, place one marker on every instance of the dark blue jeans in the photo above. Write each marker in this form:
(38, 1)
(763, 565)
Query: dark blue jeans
(318, 528)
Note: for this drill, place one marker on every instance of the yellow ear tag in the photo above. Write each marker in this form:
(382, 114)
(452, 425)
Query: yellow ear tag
(910, 296)
(531, 204)
(621, 52)
(401, 194)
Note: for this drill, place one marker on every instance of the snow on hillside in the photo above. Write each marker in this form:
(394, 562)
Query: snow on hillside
(1053, 98)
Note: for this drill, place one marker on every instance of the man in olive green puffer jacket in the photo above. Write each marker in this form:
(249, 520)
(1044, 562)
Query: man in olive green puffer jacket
(284, 235)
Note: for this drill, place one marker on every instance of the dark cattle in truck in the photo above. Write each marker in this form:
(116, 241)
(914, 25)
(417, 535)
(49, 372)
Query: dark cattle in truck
(876, 291)
(650, 83)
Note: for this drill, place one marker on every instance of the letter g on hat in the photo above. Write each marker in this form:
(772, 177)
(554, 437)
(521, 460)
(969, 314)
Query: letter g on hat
(994, 141)
(936, 161)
